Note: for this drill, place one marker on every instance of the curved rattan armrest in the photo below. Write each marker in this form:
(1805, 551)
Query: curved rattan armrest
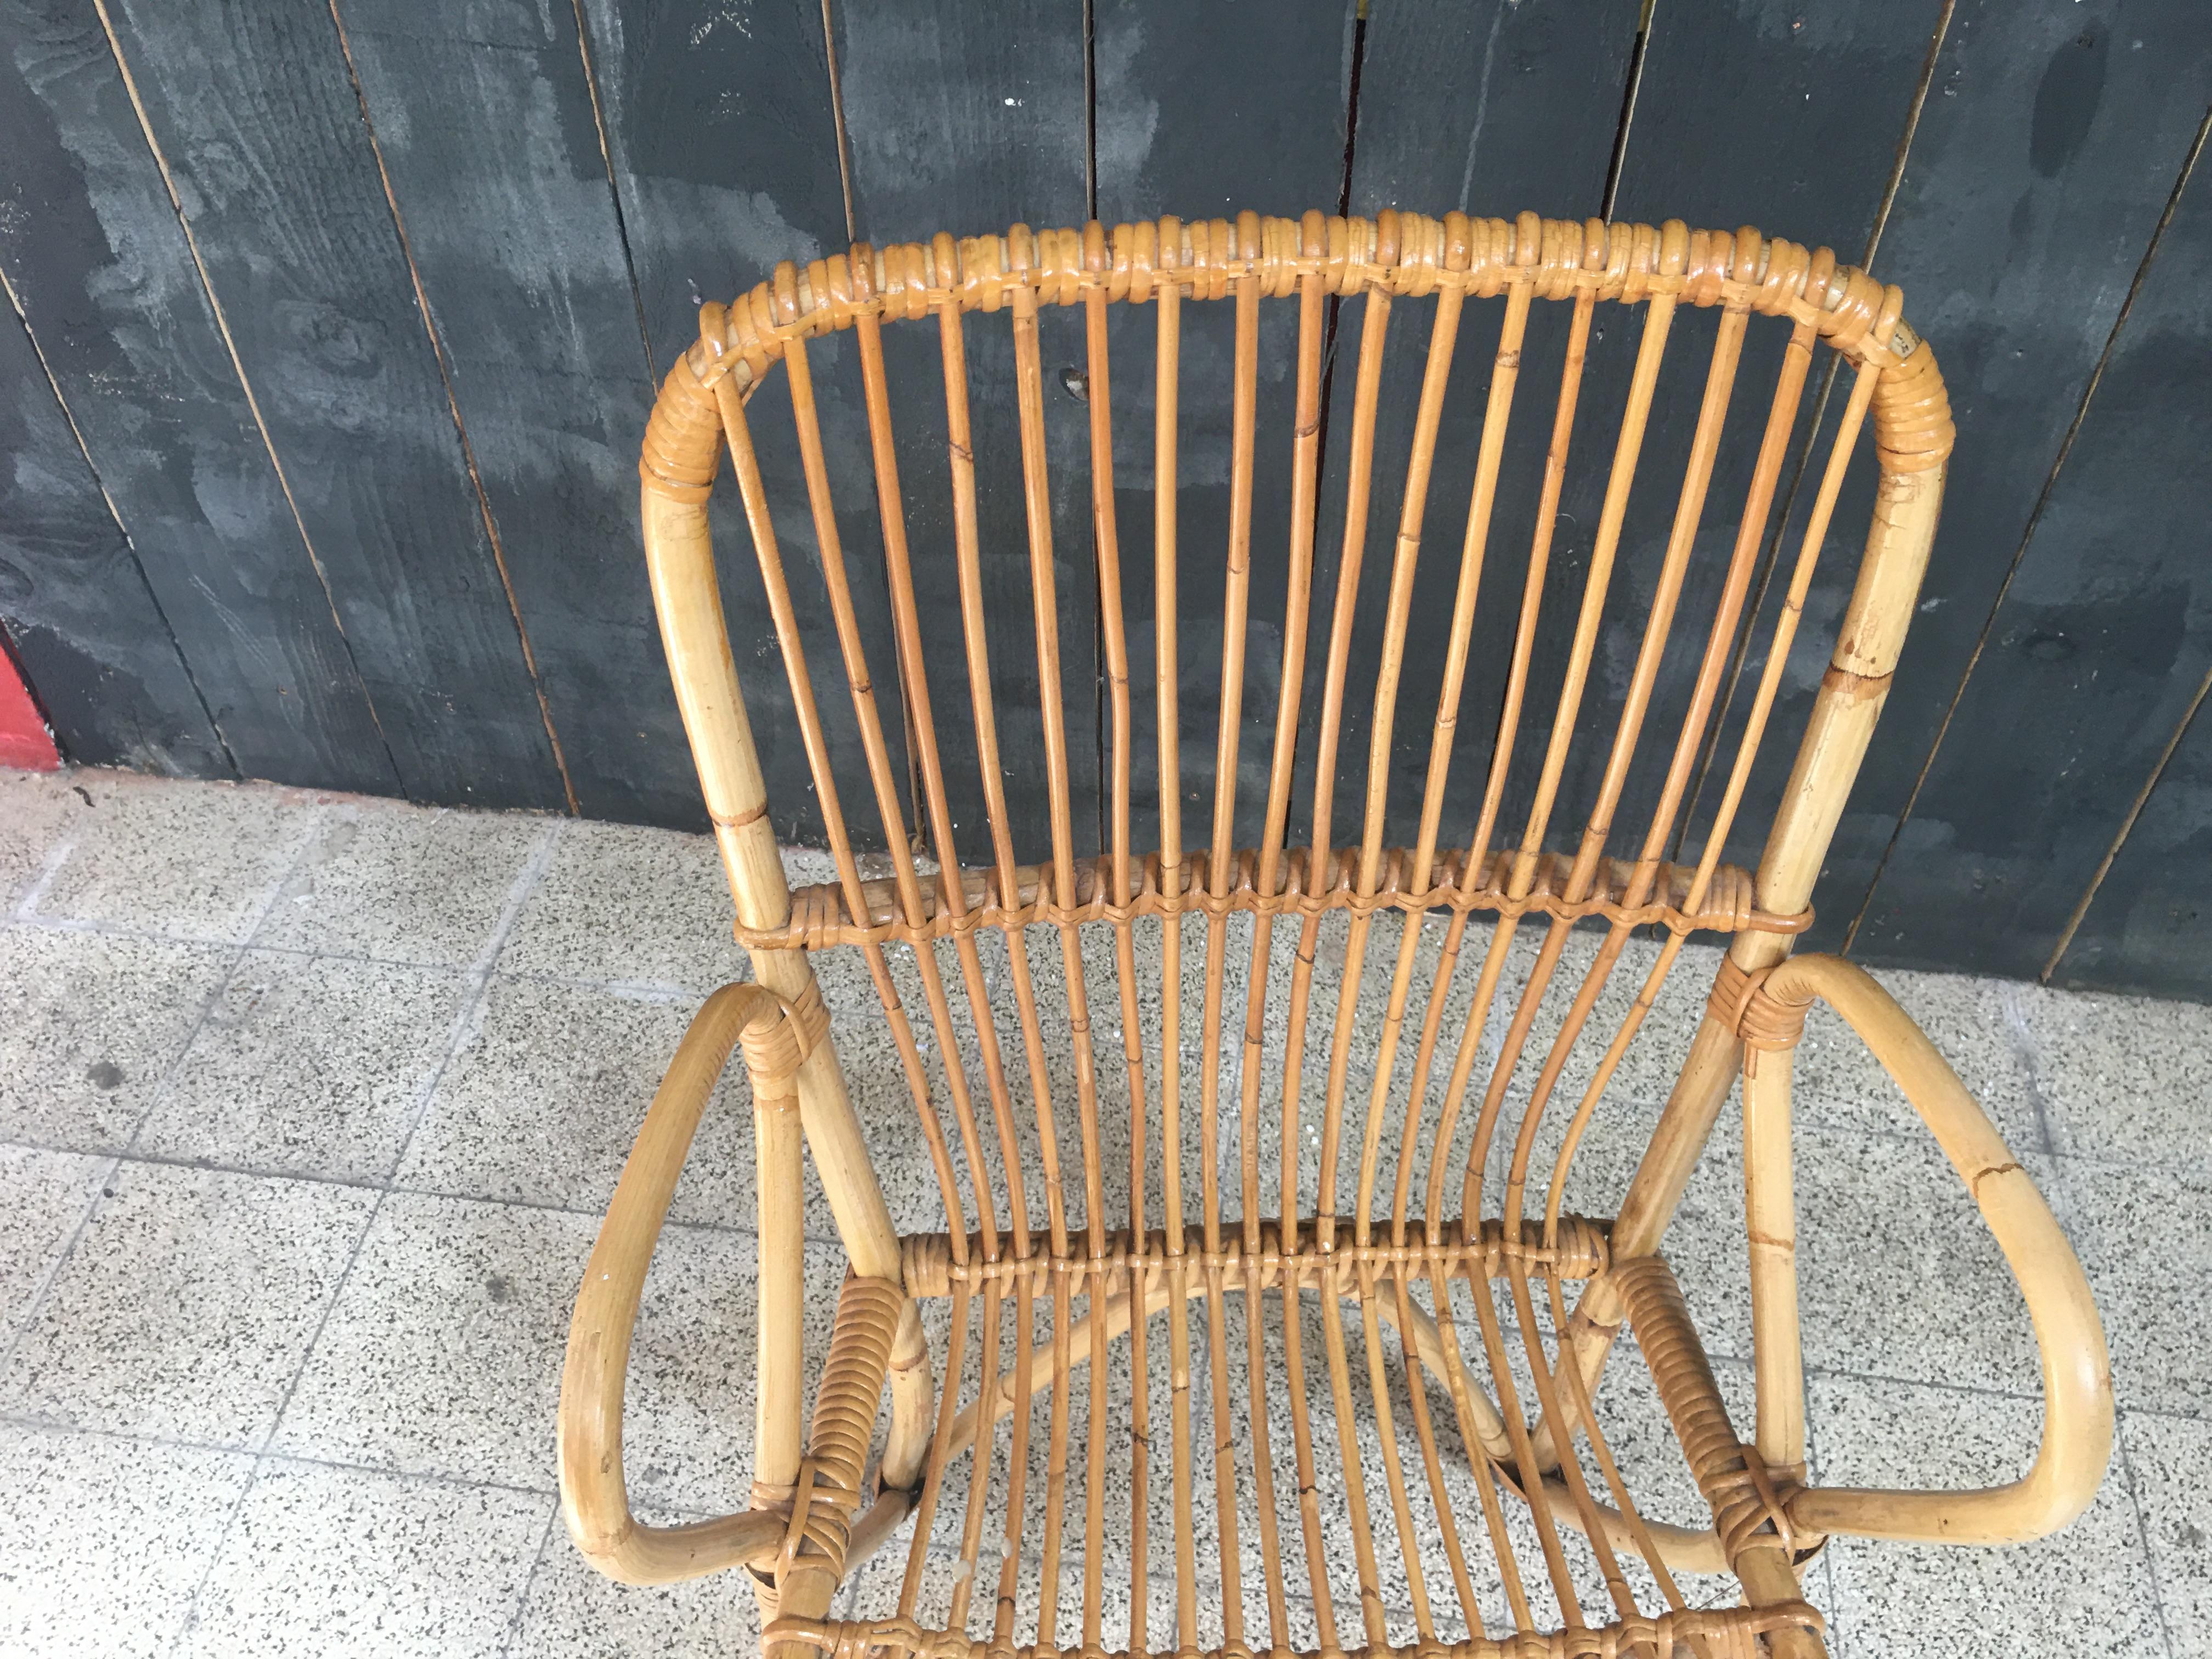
(594, 1498)
(2077, 1383)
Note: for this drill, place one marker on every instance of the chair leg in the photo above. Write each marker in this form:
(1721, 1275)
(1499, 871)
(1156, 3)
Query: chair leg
(914, 1404)
(1708, 1073)
(1749, 1513)
(781, 1292)
(825, 1493)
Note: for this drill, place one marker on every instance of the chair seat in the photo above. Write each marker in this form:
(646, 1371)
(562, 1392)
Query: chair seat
(1307, 1484)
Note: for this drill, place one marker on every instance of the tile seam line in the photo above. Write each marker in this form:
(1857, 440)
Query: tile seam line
(244, 383)
(633, 990)
(113, 1162)
(309, 832)
(261, 1453)
(50, 867)
(2163, 1416)
(516, 1619)
(221, 1538)
(60, 1429)
(400, 1189)
(2127, 1471)
(469, 1017)
(36, 1304)
(253, 1474)
(2021, 1042)
(137, 560)
(453, 408)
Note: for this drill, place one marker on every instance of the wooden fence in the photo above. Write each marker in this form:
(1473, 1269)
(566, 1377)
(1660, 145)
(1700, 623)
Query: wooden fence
(336, 324)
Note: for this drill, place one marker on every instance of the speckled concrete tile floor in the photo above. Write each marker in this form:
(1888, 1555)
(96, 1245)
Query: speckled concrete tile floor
(308, 1106)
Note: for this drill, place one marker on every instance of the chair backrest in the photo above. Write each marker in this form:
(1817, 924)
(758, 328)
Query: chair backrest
(1512, 725)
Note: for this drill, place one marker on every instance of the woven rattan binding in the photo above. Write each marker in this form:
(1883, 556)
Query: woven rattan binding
(1411, 1192)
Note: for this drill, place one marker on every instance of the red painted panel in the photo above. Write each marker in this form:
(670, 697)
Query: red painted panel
(24, 739)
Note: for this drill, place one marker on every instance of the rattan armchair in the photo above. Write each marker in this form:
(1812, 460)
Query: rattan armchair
(1189, 1354)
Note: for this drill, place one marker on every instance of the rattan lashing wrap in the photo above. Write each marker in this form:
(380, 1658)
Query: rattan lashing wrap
(1746, 1500)
(1723, 1633)
(1763, 1022)
(820, 1503)
(821, 918)
(1401, 253)
(774, 1048)
(1580, 1252)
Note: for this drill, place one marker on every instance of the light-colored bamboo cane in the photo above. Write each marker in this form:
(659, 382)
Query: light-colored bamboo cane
(593, 1496)
(2078, 1380)
(1771, 1221)
(1182, 1250)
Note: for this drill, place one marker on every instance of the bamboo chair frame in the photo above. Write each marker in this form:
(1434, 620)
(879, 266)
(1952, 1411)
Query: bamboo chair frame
(818, 1506)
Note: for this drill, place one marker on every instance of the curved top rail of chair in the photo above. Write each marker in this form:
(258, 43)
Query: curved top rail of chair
(1400, 254)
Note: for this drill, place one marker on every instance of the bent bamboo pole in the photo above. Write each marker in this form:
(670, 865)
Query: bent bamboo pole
(594, 1496)
(2077, 1380)
(687, 598)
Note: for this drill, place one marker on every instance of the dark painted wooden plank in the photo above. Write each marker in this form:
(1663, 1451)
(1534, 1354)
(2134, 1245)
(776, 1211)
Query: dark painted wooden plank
(1434, 142)
(2094, 656)
(1202, 113)
(483, 121)
(2045, 157)
(483, 115)
(75, 606)
(95, 257)
(2145, 929)
(719, 133)
(968, 121)
(1205, 111)
(253, 106)
(718, 126)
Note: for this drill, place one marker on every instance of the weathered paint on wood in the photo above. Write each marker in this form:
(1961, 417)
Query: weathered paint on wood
(484, 120)
(967, 122)
(95, 258)
(2106, 633)
(253, 109)
(724, 152)
(74, 602)
(2045, 154)
(719, 129)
